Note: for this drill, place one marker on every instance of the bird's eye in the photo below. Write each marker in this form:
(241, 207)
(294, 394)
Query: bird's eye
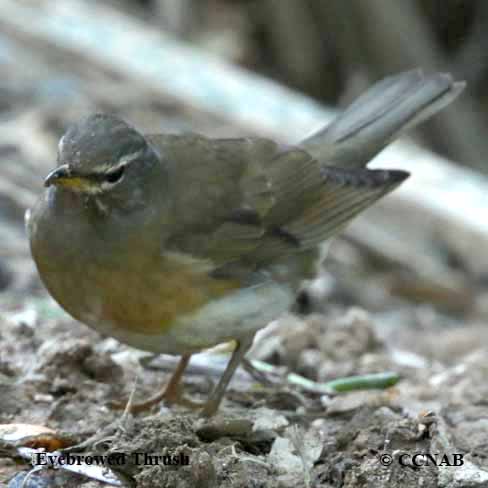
(114, 176)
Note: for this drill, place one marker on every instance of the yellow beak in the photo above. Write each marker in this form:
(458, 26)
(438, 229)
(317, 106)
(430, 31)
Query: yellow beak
(64, 177)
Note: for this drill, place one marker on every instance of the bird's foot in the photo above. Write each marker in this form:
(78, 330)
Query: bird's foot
(168, 396)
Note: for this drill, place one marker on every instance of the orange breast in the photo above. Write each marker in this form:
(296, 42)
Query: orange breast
(146, 298)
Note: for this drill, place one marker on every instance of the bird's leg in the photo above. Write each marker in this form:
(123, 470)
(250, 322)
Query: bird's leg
(171, 393)
(212, 404)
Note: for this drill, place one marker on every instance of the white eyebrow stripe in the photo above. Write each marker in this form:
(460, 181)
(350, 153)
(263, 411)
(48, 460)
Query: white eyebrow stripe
(61, 144)
(124, 161)
(129, 158)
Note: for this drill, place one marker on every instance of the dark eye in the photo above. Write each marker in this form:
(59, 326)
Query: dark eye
(114, 176)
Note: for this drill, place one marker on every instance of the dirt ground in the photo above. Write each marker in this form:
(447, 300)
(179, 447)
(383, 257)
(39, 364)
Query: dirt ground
(56, 373)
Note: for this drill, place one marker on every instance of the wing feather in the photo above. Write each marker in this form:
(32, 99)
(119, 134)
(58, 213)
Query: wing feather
(256, 203)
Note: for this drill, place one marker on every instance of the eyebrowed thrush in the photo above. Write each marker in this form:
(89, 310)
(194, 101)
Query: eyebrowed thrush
(175, 243)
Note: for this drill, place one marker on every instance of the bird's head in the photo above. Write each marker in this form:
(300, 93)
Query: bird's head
(104, 158)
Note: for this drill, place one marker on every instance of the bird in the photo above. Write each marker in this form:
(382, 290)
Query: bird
(174, 243)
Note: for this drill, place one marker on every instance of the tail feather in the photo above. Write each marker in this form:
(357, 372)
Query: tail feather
(388, 109)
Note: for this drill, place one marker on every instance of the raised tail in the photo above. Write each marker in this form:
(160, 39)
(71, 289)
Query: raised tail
(388, 109)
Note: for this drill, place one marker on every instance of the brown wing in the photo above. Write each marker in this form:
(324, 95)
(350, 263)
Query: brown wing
(242, 203)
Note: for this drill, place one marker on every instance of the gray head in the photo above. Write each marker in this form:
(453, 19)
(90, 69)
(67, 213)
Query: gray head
(102, 156)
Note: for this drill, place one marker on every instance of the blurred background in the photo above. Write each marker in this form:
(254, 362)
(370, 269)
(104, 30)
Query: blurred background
(183, 65)
(417, 263)
(333, 50)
